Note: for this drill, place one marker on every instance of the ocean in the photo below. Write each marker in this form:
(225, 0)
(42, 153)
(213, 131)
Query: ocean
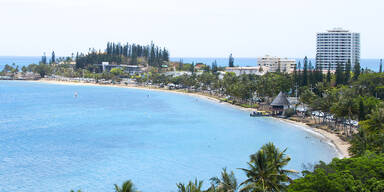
(372, 64)
(53, 141)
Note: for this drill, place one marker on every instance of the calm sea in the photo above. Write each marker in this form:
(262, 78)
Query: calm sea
(53, 141)
(372, 64)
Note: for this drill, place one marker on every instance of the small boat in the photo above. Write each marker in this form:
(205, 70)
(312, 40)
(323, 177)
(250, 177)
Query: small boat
(260, 113)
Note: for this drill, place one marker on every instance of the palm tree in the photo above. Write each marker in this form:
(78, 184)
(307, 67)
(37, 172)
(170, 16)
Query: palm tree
(126, 187)
(279, 160)
(227, 182)
(266, 171)
(191, 187)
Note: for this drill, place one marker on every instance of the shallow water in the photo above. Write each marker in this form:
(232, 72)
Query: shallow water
(53, 141)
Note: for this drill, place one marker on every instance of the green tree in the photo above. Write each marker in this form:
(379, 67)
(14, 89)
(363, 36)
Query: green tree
(371, 134)
(366, 105)
(226, 183)
(53, 58)
(347, 75)
(24, 69)
(266, 170)
(192, 68)
(369, 84)
(350, 174)
(231, 61)
(356, 71)
(190, 187)
(305, 72)
(339, 74)
(307, 96)
(42, 69)
(180, 65)
(44, 59)
(319, 74)
(329, 76)
(295, 77)
(381, 66)
(345, 107)
(126, 187)
(214, 67)
(117, 71)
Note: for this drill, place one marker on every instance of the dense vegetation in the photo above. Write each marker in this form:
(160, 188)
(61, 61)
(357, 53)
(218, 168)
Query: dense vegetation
(117, 53)
(364, 173)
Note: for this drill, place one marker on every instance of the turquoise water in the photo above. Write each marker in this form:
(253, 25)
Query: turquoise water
(18, 60)
(53, 141)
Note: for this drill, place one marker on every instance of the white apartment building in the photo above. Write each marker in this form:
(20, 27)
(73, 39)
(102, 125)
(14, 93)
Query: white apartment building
(274, 64)
(247, 70)
(337, 46)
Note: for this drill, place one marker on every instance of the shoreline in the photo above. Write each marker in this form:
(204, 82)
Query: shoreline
(340, 146)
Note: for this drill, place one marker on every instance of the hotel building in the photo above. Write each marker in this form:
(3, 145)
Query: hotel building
(273, 64)
(337, 46)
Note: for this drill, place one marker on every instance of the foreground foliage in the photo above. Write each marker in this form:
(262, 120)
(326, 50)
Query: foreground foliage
(371, 134)
(126, 187)
(226, 183)
(365, 173)
(266, 170)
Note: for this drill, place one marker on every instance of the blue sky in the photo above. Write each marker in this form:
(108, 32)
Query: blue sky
(198, 28)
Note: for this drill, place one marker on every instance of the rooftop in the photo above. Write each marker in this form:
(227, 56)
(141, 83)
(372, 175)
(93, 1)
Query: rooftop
(242, 68)
(338, 30)
(280, 100)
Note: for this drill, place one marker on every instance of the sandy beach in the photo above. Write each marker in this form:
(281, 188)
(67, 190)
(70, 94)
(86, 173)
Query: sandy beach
(340, 145)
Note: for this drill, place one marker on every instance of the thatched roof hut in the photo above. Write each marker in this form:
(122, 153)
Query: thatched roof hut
(280, 102)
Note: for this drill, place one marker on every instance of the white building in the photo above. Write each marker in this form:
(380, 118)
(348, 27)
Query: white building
(337, 46)
(276, 63)
(247, 70)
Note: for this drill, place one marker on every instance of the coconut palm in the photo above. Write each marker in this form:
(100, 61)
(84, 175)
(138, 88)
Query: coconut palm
(227, 182)
(266, 171)
(191, 187)
(279, 160)
(126, 187)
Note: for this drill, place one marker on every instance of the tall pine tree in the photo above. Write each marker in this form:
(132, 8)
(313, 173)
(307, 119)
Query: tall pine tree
(231, 61)
(356, 71)
(295, 78)
(381, 66)
(339, 74)
(53, 58)
(44, 59)
(347, 75)
(214, 67)
(299, 75)
(192, 68)
(181, 64)
(329, 74)
(305, 72)
(320, 77)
